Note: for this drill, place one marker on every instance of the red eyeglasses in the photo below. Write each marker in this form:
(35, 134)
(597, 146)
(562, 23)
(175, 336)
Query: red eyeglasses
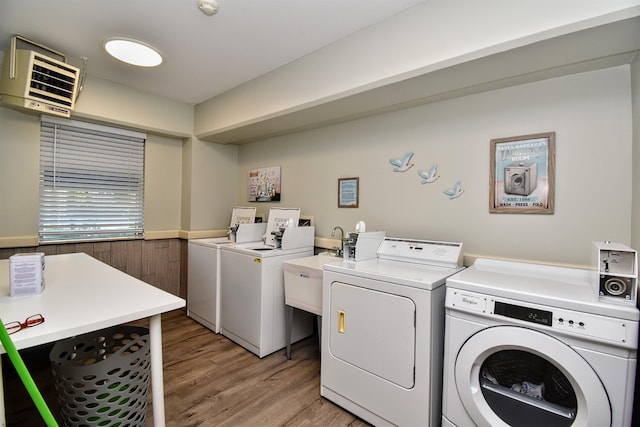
(13, 327)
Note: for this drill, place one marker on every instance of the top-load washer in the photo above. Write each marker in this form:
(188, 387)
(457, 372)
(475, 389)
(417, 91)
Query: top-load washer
(252, 285)
(382, 331)
(532, 345)
(203, 264)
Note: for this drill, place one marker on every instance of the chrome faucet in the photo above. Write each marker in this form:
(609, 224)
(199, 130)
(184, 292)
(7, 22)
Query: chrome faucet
(339, 252)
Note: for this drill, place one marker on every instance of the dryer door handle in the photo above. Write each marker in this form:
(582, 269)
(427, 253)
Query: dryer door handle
(341, 321)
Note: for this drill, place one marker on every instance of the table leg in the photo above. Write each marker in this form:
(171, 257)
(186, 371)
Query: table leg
(157, 381)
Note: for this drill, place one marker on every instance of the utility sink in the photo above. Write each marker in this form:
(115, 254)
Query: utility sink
(303, 281)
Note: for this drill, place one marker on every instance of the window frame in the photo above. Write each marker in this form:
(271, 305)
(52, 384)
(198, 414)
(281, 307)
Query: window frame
(91, 183)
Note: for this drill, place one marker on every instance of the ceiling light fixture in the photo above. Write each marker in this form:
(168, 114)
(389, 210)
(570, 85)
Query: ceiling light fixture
(133, 52)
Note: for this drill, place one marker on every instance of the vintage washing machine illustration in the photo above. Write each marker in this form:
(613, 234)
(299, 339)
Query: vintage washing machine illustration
(520, 178)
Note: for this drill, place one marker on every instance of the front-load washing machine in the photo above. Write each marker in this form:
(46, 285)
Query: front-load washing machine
(382, 331)
(531, 345)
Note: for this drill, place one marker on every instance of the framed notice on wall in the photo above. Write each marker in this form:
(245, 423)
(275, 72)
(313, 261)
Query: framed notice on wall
(522, 172)
(348, 192)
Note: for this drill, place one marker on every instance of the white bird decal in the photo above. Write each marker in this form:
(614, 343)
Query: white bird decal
(402, 165)
(454, 192)
(429, 176)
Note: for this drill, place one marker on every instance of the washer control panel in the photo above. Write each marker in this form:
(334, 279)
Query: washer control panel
(596, 327)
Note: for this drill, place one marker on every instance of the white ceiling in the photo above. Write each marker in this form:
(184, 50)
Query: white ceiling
(203, 55)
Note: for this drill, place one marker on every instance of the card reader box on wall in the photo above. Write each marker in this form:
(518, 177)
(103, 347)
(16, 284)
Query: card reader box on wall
(616, 272)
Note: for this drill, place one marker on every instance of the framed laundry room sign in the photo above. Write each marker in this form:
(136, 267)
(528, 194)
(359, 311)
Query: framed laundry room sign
(264, 184)
(348, 192)
(521, 174)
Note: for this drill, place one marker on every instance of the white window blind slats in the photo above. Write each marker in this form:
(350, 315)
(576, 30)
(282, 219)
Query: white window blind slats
(91, 182)
(93, 163)
(62, 178)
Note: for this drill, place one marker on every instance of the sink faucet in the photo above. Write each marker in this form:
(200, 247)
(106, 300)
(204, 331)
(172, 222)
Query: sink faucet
(339, 252)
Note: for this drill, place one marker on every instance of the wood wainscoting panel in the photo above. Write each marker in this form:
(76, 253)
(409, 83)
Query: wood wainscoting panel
(161, 263)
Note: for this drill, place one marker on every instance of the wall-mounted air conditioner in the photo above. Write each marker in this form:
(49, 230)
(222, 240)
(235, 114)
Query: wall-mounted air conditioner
(37, 82)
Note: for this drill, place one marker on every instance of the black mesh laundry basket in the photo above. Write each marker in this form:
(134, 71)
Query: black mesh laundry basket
(102, 378)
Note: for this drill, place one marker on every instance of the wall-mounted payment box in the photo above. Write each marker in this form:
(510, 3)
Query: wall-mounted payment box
(616, 272)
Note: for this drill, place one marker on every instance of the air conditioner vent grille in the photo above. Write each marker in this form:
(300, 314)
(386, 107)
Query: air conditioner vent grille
(42, 96)
(52, 81)
(40, 83)
(68, 69)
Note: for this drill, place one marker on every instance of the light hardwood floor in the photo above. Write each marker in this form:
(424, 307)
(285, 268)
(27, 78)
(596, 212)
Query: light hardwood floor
(209, 381)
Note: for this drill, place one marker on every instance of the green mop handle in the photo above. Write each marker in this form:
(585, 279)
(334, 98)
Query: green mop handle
(25, 376)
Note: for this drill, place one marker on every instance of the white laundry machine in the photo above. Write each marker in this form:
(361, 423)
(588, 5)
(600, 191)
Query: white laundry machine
(203, 266)
(531, 345)
(252, 285)
(382, 331)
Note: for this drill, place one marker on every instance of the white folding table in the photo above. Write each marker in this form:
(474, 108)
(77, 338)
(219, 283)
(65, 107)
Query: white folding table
(83, 295)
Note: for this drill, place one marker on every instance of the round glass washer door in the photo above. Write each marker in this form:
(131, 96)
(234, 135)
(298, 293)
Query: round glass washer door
(500, 352)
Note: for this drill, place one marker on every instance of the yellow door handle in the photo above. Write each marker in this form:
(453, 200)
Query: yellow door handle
(341, 321)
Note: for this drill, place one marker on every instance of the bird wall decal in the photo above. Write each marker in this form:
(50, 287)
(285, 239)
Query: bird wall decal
(402, 165)
(454, 192)
(429, 176)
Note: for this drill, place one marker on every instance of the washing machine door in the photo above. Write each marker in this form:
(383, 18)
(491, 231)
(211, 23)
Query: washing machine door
(515, 376)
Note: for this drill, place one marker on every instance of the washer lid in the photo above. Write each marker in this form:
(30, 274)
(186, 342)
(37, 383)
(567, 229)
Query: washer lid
(212, 242)
(260, 250)
(561, 287)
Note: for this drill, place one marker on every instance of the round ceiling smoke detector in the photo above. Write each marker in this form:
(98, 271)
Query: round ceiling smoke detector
(208, 7)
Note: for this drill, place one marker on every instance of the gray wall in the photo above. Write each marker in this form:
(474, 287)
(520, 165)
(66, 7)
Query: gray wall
(589, 112)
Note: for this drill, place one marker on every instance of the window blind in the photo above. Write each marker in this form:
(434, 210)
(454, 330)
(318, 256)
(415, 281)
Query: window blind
(91, 182)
